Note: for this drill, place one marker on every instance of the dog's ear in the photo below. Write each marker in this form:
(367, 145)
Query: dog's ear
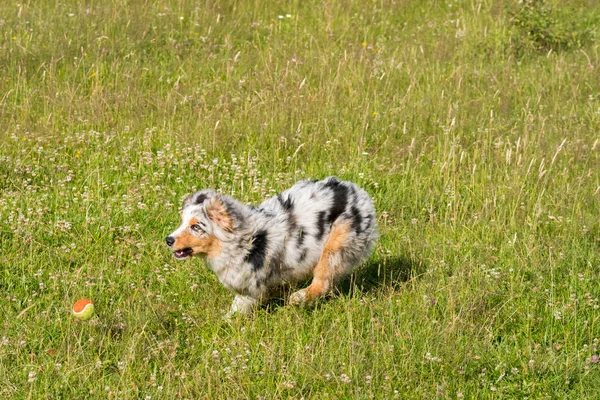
(194, 198)
(218, 213)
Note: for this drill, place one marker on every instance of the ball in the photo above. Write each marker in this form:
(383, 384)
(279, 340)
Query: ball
(83, 309)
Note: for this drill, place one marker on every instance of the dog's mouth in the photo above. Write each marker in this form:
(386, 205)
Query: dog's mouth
(183, 253)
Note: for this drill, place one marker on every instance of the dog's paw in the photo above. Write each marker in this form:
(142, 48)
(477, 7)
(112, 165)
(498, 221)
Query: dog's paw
(298, 298)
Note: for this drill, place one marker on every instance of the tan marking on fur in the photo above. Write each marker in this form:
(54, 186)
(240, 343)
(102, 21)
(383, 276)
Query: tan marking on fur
(337, 238)
(210, 245)
(218, 213)
(323, 274)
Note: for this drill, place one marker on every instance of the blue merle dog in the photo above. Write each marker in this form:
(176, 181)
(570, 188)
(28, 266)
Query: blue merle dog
(321, 228)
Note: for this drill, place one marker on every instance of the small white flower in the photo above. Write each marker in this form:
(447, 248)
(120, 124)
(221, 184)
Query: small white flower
(557, 314)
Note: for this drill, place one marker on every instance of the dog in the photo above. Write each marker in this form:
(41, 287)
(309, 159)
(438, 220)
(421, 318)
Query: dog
(321, 228)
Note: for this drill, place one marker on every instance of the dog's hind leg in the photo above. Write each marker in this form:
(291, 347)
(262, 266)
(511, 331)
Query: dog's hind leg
(330, 266)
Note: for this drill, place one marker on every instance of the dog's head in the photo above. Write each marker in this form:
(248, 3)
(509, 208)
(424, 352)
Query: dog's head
(208, 219)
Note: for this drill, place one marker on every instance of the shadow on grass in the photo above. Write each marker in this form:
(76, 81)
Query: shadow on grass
(386, 272)
(376, 274)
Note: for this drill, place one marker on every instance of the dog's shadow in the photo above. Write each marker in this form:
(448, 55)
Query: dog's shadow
(379, 273)
(376, 274)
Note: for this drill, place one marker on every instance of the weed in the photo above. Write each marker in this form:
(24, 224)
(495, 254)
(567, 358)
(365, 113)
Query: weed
(543, 26)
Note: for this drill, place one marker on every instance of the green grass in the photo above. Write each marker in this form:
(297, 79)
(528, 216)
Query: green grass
(479, 144)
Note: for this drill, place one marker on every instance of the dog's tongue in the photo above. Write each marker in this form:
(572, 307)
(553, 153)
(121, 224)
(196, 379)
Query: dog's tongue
(182, 253)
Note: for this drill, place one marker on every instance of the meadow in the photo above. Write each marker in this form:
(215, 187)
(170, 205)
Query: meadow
(474, 124)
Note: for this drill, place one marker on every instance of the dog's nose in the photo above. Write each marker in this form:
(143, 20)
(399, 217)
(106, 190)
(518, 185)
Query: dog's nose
(170, 240)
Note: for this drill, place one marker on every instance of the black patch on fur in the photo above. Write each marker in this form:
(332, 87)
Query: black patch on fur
(332, 181)
(320, 224)
(200, 199)
(356, 219)
(287, 204)
(257, 254)
(340, 199)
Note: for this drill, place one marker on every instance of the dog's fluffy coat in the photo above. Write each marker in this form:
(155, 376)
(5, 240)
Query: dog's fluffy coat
(324, 228)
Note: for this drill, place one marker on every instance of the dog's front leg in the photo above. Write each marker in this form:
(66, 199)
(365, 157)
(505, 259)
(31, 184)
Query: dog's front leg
(242, 304)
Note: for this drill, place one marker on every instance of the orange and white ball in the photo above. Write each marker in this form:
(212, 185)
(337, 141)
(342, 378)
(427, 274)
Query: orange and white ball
(83, 309)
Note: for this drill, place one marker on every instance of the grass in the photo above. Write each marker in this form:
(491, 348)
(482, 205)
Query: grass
(480, 150)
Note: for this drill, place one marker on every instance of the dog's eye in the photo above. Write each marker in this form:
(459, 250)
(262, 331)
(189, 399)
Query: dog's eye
(197, 228)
